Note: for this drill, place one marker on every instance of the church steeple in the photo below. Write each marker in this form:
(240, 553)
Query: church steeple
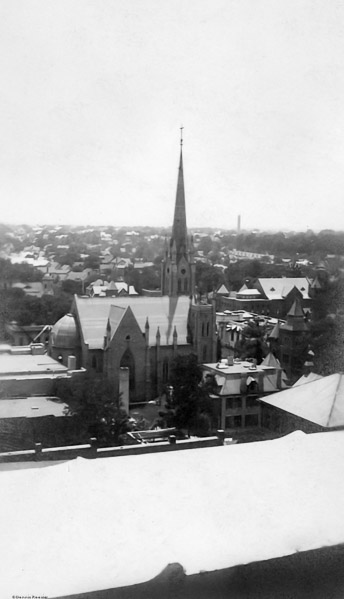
(179, 229)
(178, 266)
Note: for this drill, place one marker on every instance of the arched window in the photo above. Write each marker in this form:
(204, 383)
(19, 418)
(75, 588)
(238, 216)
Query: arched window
(207, 329)
(127, 361)
(202, 329)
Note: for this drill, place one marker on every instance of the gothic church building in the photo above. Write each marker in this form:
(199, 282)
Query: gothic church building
(138, 333)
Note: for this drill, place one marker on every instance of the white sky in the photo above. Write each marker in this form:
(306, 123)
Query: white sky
(93, 94)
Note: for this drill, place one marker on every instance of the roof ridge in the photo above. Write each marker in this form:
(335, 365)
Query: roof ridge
(334, 397)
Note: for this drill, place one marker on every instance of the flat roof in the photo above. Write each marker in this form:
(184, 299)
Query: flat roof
(238, 367)
(206, 509)
(32, 407)
(25, 363)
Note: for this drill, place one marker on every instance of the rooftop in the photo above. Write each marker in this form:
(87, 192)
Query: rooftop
(28, 364)
(250, 502)
(32, 407)
(163, 312)
(278, 288)
(238, 367)
(320, 401)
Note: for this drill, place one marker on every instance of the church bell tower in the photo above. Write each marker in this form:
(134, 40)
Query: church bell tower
(178, 266)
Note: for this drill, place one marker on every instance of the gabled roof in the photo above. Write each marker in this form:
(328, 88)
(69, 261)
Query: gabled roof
(163, 312)
(115, 316)
(320, 401)
(270, 383)
(271, 360)
(316, 284)
(223, 290)
(279, 288)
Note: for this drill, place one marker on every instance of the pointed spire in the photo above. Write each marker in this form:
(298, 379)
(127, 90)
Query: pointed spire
(275, 331)
(296, 310)
(179, 229)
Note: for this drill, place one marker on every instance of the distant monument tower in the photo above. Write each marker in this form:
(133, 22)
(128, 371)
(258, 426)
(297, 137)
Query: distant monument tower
(178, 267)
(239, 224)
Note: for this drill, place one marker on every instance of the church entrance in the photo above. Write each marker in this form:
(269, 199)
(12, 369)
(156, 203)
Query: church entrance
(127, 361)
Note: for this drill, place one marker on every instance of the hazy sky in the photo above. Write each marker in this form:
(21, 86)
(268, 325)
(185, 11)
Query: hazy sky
(92, 95)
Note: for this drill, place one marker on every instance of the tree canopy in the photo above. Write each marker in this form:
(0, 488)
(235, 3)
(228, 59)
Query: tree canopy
(252, 344)
(189, 401)
(92, 404)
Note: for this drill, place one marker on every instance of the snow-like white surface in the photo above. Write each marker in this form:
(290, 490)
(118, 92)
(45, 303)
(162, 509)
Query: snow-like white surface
(86, 525)
(321, 400)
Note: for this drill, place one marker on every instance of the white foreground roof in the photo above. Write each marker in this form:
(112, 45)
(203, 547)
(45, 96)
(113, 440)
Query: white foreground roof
(320, 401)
(87, 525)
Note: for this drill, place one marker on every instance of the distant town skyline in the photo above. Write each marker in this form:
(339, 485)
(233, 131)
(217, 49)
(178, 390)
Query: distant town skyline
(93, 93)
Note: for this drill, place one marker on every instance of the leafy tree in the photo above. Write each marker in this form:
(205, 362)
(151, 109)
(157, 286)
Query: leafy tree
(71, 287)
(71, 256)
(26, 310)
(208, 278)
(252, 344)
(327, 329)
(92, 261)
(25, 273)
(190, 402)
(92, 404)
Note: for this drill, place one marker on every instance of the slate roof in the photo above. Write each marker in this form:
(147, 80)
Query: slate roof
(115, 316)
(163, 312)
(278, 288)
(320, 401)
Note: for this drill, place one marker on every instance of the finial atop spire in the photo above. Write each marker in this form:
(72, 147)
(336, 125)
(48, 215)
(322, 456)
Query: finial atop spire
(181, 136)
